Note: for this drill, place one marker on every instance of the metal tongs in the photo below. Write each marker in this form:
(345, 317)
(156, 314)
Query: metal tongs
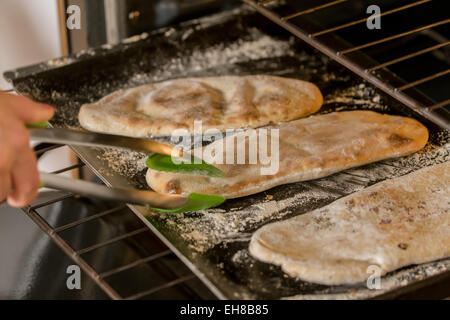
(154, 200)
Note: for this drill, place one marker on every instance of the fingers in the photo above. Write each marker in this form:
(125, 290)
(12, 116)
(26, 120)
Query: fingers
(26, 110)
(5, 186)
(5, 176)
(24, 179)
(19, 178)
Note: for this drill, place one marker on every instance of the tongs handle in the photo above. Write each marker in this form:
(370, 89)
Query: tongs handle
(94, 139)
(133, 196)
(165, 203)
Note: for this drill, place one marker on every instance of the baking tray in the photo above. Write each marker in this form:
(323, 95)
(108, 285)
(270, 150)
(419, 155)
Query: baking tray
(213, 243)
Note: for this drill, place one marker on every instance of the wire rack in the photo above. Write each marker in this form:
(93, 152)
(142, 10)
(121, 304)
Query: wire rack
(299, 23)
(77, 255)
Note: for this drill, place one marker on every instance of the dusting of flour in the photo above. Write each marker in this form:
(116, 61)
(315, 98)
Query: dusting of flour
(256, 46)
(207, 228)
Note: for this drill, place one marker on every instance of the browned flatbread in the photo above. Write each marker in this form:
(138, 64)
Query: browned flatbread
(392, 224)
(308, 149)
(226, 102)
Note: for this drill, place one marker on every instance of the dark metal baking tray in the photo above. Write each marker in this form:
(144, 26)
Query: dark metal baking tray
(213, 243)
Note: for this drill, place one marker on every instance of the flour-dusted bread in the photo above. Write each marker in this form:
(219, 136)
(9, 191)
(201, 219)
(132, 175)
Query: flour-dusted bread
(226, 102)
(309, 148)
(391, 224)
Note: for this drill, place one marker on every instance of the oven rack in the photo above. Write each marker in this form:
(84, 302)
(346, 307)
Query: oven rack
(362, 64)
(100, 278)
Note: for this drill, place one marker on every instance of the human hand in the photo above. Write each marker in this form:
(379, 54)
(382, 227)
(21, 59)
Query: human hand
(19, 177)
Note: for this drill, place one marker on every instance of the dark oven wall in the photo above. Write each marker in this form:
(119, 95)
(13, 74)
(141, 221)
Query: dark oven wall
(109, 21)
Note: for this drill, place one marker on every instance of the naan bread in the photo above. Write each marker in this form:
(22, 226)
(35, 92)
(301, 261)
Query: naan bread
(226, 102)
(391, 224)
(308, 149)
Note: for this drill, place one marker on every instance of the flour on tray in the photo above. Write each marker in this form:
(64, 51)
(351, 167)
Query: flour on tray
(357, 96)
(207, 228)
(257, 46)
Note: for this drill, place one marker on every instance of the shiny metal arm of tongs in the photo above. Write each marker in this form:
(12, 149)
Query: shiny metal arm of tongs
(146, 198)
(93, 139)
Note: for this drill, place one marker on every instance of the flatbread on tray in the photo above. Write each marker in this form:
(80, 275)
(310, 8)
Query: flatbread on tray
(389, 225)
(225, 102)
(309, 148)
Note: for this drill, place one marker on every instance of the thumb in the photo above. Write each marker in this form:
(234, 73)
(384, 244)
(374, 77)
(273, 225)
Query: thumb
(27, 110)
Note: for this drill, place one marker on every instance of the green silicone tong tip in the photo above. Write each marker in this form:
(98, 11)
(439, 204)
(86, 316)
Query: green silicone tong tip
(42, 124)
(196, 202)
(163, 162)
